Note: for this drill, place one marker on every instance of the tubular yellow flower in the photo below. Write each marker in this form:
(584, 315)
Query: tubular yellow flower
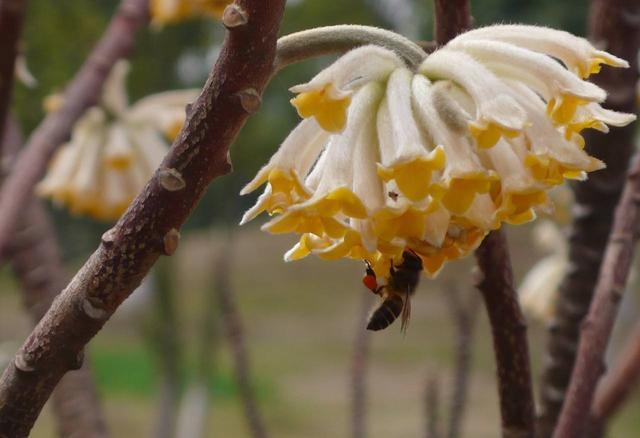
(392, 157)
(114, 150)
(172, 11)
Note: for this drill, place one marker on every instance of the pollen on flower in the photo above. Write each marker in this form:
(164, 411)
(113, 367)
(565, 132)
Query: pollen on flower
(390, 157)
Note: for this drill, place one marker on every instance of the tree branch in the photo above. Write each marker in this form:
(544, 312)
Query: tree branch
(37, 263)
(82, 93)
(509, 332)
(234, 332)
(617, 385)
(150, 226)
(11, 23)
(452, 17)
(597, 326)
(464, 316)
(595, 201)
(432, 408)
(358, 371)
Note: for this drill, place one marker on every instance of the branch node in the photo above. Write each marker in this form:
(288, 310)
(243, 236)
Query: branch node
(171, 180)
(250, 100)
(22, 363)
(109, 236)
(93, 311)
(171, 241)
(77, 362)
(234, 16)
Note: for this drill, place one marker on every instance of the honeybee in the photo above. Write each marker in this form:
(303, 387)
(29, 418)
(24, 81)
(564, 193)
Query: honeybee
(396, 294)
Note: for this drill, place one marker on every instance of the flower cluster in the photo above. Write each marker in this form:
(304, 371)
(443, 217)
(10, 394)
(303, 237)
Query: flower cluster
(172, 11)
(114, 149)
(433, 157)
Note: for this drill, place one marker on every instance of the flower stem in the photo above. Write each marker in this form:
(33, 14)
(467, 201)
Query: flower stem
(311, 43)
(509, 332)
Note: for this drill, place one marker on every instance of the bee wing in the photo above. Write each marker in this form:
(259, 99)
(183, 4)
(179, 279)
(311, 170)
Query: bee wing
(406, 312)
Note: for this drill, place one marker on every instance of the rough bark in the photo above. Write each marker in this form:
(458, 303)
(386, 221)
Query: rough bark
(82, 93)
(358, 371)
(234, 333)
(597, 326)
(617, 385)
(613, 27)
(150, 226)
(11, 22)
(452, 17)
(509, 332)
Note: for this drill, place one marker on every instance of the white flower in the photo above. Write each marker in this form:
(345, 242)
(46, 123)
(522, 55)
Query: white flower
(388, 158)
(114, 150)
(539, 289)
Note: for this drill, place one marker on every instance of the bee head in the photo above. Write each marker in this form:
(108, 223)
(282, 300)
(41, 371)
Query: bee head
(411, 260)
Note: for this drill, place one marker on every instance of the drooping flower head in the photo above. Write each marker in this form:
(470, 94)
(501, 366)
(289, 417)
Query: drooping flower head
(114, 149)
(172, 11)
(431, 158)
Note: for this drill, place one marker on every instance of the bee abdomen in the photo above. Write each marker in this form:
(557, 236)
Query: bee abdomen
(387, 312)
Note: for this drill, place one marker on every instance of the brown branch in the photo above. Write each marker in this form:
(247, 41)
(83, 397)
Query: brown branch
(597, 326)
(452, 17)
(149, 227)
(234, 332)
(595, 201)
(11, 23)
(82, 93)
(464, 315)
(617, 385)
(509, 332)
(358, 371)
(165, 338)
(432, 408)
(37, 262)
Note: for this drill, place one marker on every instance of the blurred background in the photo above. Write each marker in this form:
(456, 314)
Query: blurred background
(227, 328)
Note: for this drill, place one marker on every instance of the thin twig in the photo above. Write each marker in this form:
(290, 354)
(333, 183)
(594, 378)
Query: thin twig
(597, 326)
(234, 332)
(452, 17)
(150, 226)
(464, 315)
(165, 335)
(617, 385)
(37, 262)
(83, 92)
(595, 201)
(432, 408)
(358, 371)
(11, 23)
(509, 332)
